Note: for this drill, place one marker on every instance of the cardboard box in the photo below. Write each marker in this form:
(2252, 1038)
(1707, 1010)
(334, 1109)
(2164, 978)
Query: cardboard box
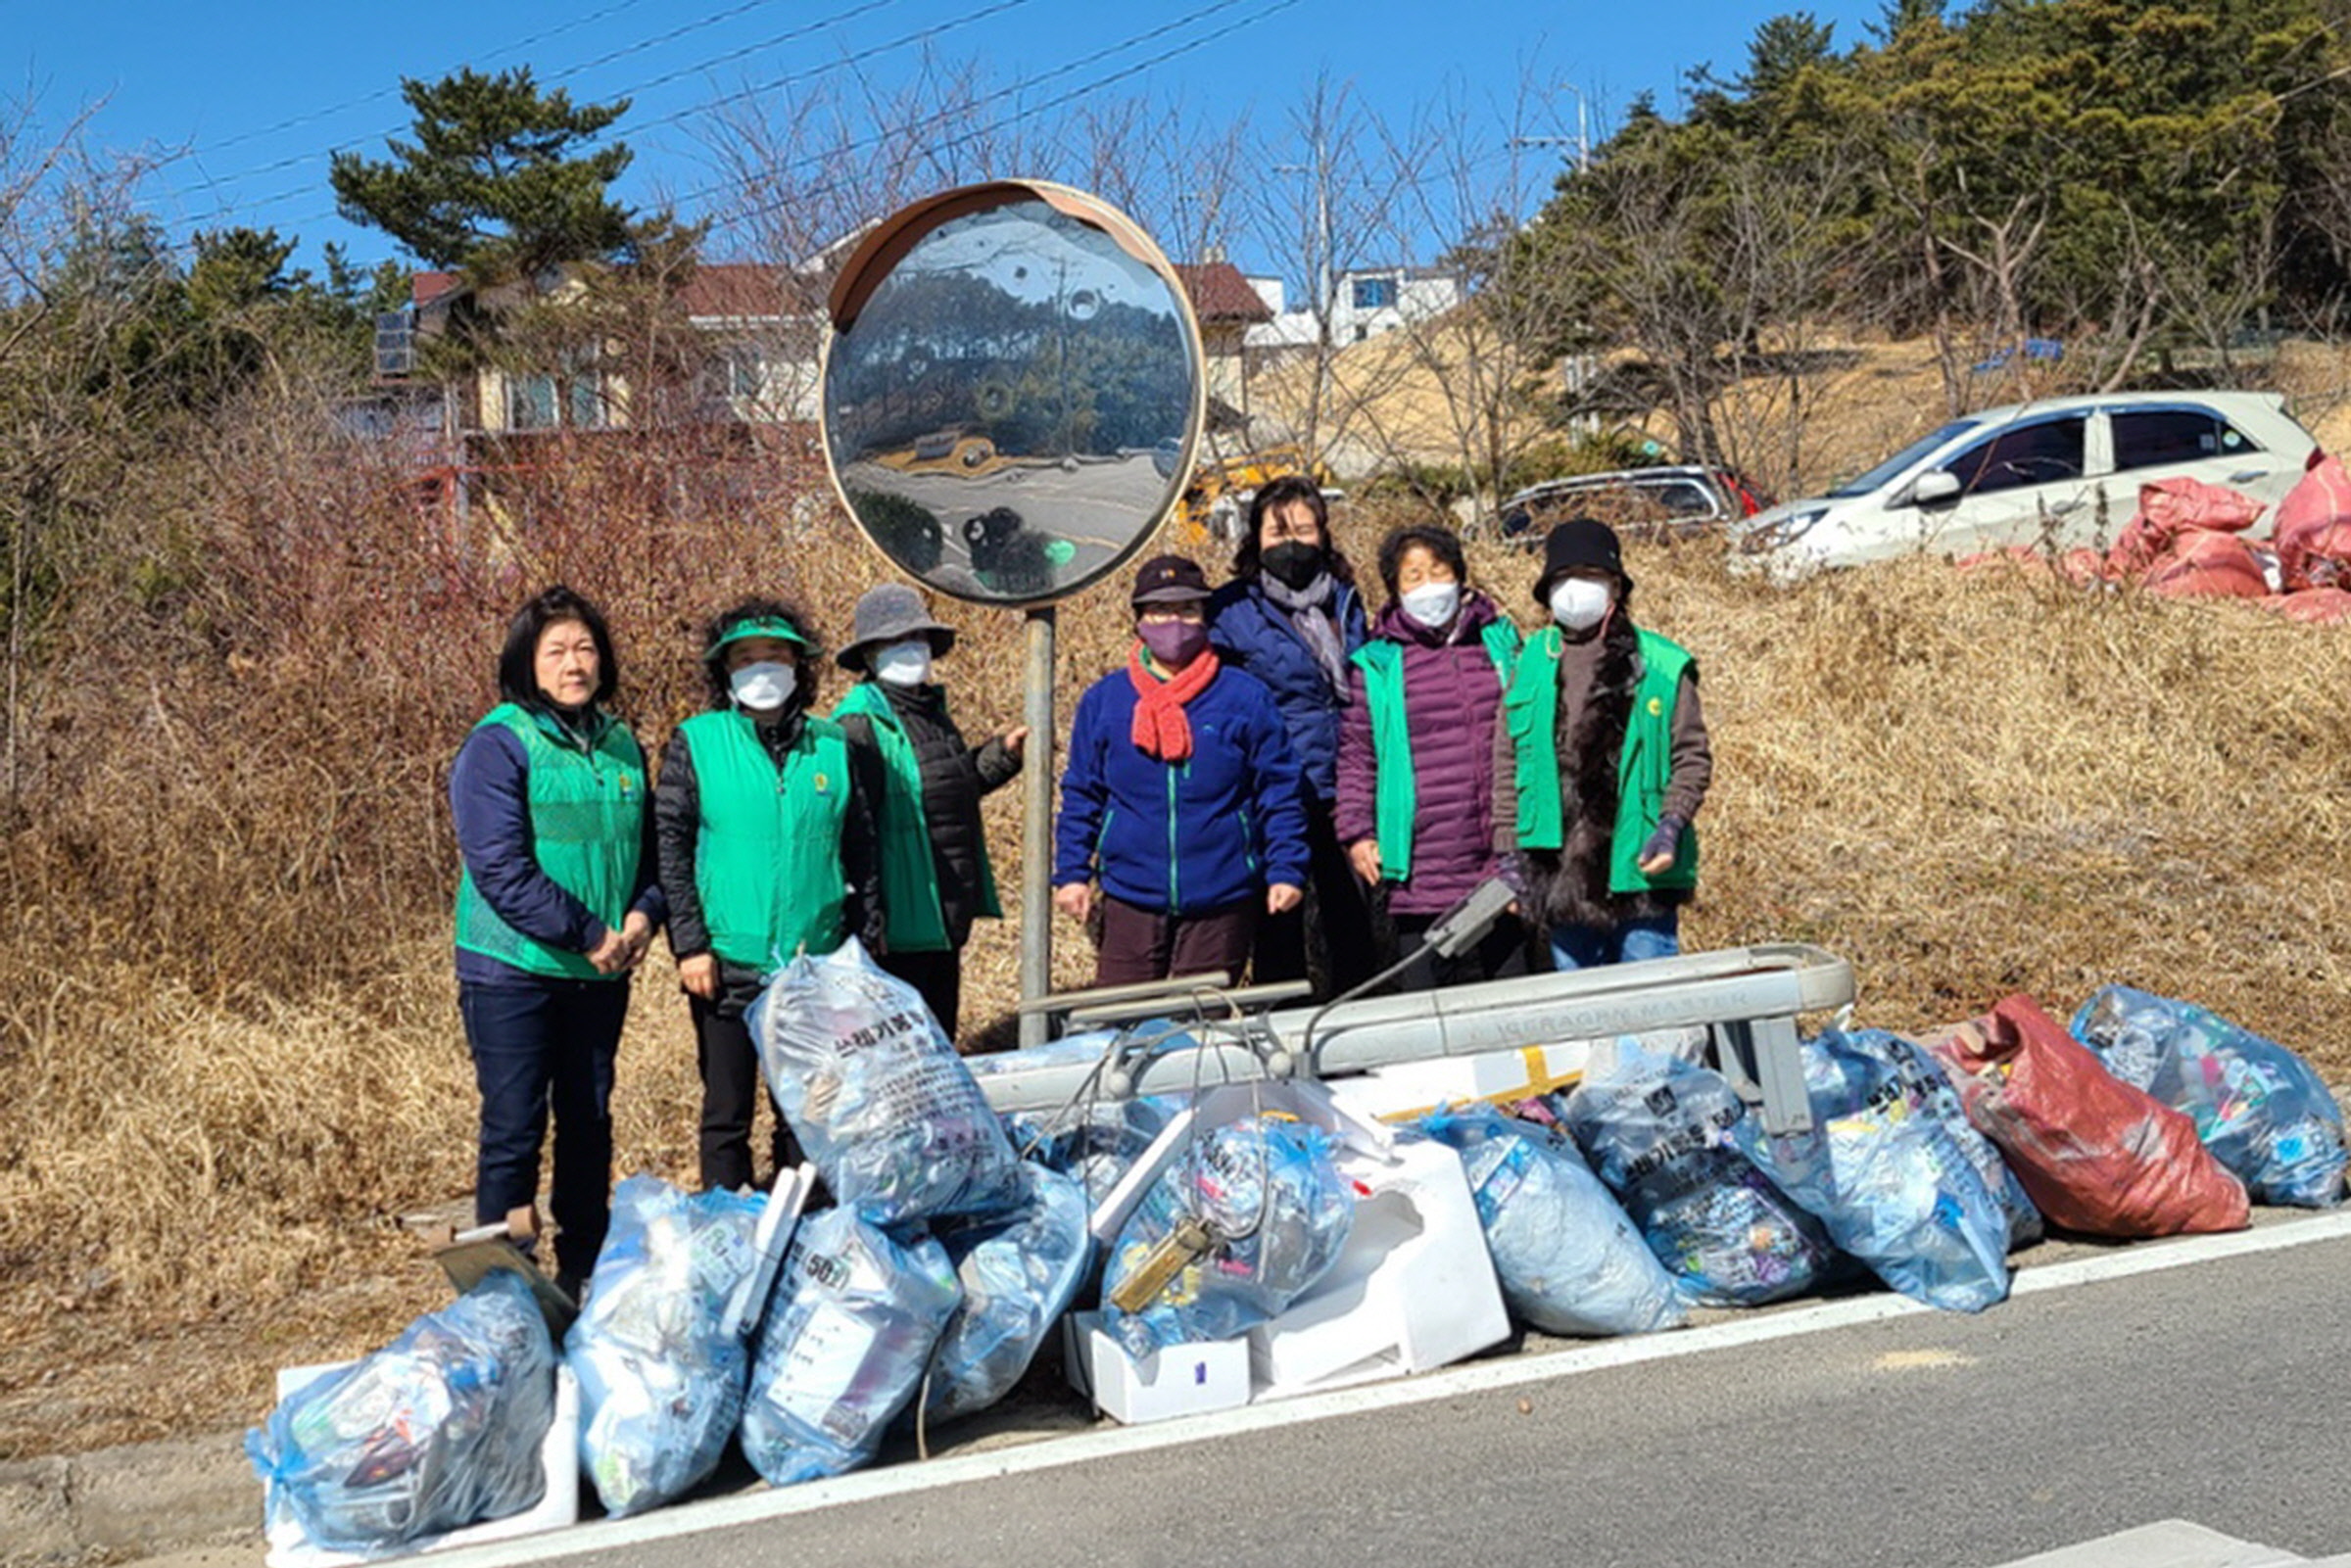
(1191, 1379)
(558, 1506)
(1413, 1288)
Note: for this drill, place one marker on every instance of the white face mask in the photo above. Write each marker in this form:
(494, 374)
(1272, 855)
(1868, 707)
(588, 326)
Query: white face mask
(764, 687)
(905, 663)
(1432, 605)
(1579, 602)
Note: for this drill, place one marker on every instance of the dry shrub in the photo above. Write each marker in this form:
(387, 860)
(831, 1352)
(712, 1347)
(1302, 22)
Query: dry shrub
(231, 1053)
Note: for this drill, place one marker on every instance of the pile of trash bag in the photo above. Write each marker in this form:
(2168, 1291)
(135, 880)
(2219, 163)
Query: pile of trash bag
(1018, 1274)
(853, 1324)
(661, 1379)
(1097, 1141)
(440, 1429)
(2097, 1155)
(2257, 1107)
(1887, 1177)
(1569, 1257)
(885, 1108)
(1658, 1130)
(1269, 1212)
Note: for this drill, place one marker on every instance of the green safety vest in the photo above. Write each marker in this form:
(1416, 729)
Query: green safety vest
(1397, 798)
(1642, 772)
(587, 804)
(767, 857)
(917, 923)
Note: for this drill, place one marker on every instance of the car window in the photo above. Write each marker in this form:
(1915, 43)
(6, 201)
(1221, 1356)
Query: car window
(2038, 454)
(1863, 484)
(1681, 497)
(2150, 438)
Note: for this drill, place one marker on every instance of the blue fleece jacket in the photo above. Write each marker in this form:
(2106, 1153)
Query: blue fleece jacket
(1190, 837)
(1255, 635)
(489, 801)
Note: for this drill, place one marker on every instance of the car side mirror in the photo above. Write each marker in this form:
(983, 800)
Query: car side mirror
(1935, 489)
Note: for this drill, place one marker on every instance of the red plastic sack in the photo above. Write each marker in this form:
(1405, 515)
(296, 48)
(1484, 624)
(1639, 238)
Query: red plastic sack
(2313, 528)
(2096, 1155)
(2198, 564)
(2169, 509)
(2314, 606)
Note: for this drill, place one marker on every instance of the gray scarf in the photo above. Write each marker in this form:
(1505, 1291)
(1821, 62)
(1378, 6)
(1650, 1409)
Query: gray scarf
(1309, 611)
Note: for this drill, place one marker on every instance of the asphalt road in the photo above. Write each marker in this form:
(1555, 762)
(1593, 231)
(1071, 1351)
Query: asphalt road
(2211, 1391)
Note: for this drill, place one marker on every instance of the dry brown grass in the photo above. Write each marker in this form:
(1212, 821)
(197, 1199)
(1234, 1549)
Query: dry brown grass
(231, 1056)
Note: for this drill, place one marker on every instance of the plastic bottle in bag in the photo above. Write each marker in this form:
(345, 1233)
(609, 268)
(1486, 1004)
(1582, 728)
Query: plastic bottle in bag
(1269, 1212)
(842, 1349)
(1886, 1178)
(1657, 1131)
(1018, 1274)
(889, 1113)
(440, 1429)
(2257, 1107)
(661, 1382)
(1570, 1259)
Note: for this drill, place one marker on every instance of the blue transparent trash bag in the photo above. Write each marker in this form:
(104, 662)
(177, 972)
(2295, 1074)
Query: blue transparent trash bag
(1018, 1274)
(439, 1430)
(1277, 1214)
(889, 1113)
(1570, 1259)
(661, 1381)
(1657, 1132)
(841, 1352)
(2257, 1106)
(1098, 1142)
(1928, 1089)
(1886, 1178)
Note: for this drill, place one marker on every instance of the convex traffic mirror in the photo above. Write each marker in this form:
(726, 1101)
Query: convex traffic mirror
(1013, 390)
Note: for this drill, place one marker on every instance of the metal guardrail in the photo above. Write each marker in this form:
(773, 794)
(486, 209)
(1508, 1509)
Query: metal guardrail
(1747, 998)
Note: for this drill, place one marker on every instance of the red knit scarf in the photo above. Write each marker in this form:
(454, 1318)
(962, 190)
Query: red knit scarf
(1160, 728)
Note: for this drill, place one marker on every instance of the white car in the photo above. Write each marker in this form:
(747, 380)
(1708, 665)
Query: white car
(2058, 473)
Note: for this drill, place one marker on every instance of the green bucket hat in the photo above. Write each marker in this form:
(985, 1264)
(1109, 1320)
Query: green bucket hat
(757, 626)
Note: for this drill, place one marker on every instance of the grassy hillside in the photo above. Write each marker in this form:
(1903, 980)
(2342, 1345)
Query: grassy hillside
(1966, 784)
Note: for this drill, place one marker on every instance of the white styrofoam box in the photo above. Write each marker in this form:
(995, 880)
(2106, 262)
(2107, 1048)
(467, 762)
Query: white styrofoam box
(1408, 1090)
(1413, 1288)
(1309, 1101)
(558, 1505)
(1188, 1379)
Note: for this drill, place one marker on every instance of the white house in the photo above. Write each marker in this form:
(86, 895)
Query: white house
(1365, 302)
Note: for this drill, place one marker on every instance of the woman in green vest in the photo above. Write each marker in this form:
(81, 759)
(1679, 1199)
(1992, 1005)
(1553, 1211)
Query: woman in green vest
(1601, 763)
(556, 904)
(926, 785)
(1416, 752)
(766, 851)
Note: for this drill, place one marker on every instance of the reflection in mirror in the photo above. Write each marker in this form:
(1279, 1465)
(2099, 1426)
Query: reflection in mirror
(1004, 412)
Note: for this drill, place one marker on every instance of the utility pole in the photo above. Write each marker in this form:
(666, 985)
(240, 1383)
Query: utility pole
(1581, 141)
(1325, 296)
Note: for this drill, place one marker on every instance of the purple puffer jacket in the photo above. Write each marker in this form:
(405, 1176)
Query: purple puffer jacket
(1452, 702)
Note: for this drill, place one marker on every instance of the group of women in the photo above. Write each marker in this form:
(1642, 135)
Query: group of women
(1270, 784)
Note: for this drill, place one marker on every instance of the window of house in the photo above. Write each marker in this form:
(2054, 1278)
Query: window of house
(531, 402)
(2038, 454)
(1374, 294)
(2150, 438)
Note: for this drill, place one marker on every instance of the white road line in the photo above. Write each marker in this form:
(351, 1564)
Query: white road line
(1478, 1378)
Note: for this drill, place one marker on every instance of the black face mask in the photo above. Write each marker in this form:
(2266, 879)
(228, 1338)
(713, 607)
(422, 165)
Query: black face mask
(1292, 562)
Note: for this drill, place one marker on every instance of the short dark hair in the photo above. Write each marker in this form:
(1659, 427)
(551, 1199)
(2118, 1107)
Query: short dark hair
(518, 660)
(714, 659)
(1436, 538)
(1282, 492)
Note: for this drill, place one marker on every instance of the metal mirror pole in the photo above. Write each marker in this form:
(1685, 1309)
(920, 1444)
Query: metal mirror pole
(1037, 825)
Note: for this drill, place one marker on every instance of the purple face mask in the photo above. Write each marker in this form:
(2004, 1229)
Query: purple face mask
(1174, 643)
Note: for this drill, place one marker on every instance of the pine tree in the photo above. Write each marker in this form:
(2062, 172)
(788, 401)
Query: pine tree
(499, 182)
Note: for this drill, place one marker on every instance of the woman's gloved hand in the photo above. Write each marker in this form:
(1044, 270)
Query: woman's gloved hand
(1657, 853)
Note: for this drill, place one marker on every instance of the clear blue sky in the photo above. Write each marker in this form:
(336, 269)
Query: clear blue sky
(245, 99)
